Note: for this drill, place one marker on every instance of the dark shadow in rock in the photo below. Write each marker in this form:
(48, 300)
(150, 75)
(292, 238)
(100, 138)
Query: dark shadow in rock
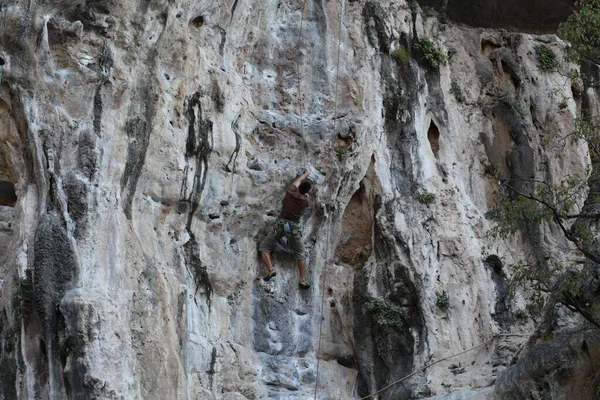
(433, 135)
(8, 196)
(501, 310)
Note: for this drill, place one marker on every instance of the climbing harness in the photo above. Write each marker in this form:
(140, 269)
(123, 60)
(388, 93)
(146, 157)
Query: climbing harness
(289, 228)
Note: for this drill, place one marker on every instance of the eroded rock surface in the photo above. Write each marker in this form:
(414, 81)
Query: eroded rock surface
(146, 145)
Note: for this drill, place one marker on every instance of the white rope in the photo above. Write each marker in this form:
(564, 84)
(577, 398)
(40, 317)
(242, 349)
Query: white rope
(324, 280)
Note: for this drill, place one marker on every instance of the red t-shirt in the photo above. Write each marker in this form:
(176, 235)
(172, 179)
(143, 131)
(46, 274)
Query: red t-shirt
(294, 204)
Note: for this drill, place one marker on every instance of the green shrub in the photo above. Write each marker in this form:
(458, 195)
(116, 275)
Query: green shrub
(521, 314)
(426, 198)
(511, 103)
(401, 55)
(413, 5)
(23, 295)
(457, 92)
(341, 152)
(430, 53)
(546, 58)
(443, 301)
(386, 313)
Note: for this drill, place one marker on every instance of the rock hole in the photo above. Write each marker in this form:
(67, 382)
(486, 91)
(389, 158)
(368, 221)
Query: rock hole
(198, 21)
(42, 347)
(330, 291)
(357, 222)
(2, 62)
(348, 362)
(487, 46)
(182, 207)
(433, 135)
(495, 263)
(332, 304)
(8, 196)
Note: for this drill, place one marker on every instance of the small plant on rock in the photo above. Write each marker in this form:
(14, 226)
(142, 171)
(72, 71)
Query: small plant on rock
(23, 296)
(511, 103)
(546, 58)
(341, 152)
(493, 171)
(413, 5)
(521, 314)
(401, 56)
(430, 53)
(426, 198)
(385, 313)
(457, 92)
(443, 301)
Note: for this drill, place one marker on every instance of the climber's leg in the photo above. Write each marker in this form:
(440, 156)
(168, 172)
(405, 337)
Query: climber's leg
(265, 247)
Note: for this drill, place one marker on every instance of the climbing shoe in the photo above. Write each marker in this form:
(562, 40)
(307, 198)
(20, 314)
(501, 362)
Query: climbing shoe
(269, 276)
(304, 285)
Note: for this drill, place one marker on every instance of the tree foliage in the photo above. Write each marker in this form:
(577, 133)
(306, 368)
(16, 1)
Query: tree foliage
(572, 204)
(582, 30)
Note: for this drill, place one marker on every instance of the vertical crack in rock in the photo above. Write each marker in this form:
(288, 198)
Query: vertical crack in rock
(211, 371)
(198, 147)
(191, 251)
(105, 64)
(223, 33)
(501, 310)
(138, 135)
(138, 131)
(233, 7)
(54, 270)
(236, 151)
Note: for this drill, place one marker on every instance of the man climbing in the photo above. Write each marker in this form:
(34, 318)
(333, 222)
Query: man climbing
(287, 224)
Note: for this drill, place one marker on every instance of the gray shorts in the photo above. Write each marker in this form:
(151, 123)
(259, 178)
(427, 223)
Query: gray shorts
(277, 232)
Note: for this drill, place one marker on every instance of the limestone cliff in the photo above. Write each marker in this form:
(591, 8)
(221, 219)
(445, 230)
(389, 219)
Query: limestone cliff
(145, 147)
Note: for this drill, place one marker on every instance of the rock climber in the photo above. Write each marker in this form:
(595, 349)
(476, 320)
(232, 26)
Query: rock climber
(294, 203)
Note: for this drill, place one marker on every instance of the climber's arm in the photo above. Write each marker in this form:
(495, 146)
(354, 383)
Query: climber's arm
(300, 178)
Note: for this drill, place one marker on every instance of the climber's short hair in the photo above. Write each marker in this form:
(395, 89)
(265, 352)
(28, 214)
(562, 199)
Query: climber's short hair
(305, 187)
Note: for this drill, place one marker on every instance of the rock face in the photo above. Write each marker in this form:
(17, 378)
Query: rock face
(145, 148)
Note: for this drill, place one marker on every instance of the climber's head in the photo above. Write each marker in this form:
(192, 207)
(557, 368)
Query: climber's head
(304, 187)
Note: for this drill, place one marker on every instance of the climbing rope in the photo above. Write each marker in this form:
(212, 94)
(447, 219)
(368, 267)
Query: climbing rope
(324, 276)
(301, 106)
(422, 369)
